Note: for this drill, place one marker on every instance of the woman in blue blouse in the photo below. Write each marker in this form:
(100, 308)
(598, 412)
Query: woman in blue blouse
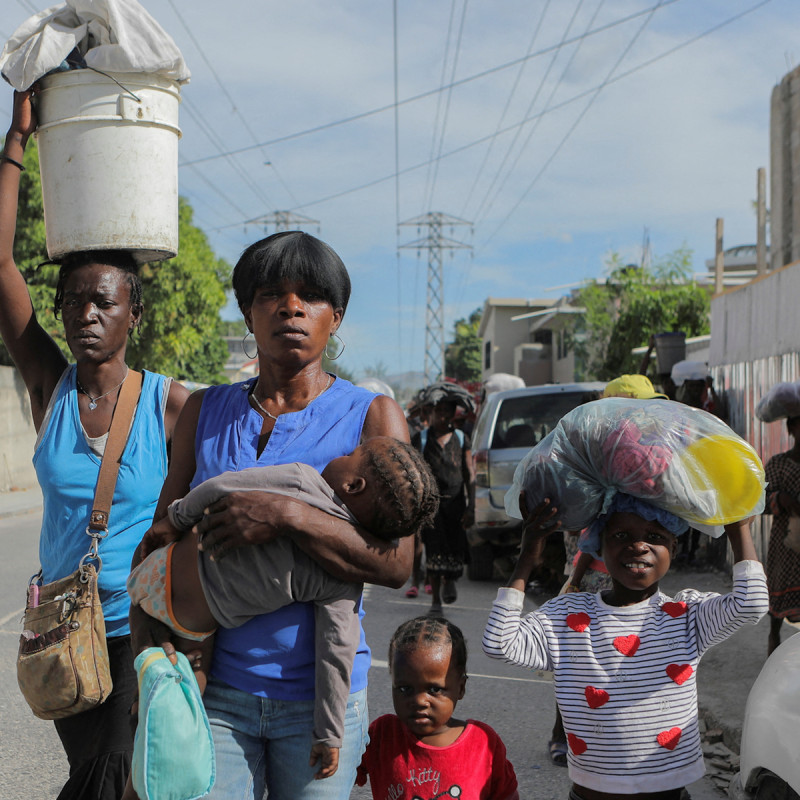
(293, 291)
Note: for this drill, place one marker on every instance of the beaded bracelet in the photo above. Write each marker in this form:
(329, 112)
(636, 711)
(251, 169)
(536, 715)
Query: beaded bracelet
(4, 157)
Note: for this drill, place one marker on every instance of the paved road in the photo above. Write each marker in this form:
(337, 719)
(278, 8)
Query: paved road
(518, 704)
(32, 764)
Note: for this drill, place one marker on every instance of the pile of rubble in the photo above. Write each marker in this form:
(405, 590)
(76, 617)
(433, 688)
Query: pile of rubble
(722, 763)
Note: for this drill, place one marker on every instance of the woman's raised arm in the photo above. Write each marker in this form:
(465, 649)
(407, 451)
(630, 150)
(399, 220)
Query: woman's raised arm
(34, 353)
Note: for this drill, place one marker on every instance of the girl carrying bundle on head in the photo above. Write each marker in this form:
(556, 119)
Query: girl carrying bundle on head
(624, 660)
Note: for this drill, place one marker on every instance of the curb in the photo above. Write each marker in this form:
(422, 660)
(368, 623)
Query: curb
(24, 501)
(731, 736)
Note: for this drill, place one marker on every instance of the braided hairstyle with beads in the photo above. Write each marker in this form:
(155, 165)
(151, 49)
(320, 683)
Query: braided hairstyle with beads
(427, 632)
(407, 491)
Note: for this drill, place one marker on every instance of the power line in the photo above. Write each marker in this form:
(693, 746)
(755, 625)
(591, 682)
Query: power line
(439, 101)
(554, 108)
(217, 142)
(432, 188)
(397, 176)
(255, 188)
(531, 105)
(572, 127)
(461, 82)
(502, 118)
(487, 203)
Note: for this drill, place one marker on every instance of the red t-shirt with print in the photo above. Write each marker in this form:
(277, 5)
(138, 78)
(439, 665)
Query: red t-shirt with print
(474, 767)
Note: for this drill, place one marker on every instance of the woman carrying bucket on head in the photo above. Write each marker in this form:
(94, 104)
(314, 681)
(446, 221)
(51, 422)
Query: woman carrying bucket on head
(99, 299)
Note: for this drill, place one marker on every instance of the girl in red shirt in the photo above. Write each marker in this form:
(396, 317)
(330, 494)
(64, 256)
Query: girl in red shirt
(422, 752)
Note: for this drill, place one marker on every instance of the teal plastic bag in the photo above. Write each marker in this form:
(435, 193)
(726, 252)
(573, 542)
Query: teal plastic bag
(173, 752)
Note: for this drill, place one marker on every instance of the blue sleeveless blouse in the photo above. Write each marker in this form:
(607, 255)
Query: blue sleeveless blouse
(67, 471)
(272, 655)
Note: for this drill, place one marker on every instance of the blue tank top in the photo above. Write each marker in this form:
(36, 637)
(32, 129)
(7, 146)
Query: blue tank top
(272, 655)
(67, 471)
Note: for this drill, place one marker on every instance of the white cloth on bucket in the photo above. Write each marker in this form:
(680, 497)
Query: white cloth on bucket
(111, 35)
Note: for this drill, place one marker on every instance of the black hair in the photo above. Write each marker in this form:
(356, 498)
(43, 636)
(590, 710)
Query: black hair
(293, 256)
(427, 632)
(408, 495)
(121, 259)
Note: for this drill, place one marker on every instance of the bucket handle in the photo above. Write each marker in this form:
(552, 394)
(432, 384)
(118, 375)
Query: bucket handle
(112, 78)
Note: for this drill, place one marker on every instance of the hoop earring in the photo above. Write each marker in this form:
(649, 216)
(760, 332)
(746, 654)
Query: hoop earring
(341, 350)
(244, 345)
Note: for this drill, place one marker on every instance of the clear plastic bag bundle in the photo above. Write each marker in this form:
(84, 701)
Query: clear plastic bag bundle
(673, 456)
(780, 402)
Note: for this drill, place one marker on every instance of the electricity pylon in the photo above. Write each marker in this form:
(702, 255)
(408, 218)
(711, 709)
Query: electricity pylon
(435, 243)
(283, 221)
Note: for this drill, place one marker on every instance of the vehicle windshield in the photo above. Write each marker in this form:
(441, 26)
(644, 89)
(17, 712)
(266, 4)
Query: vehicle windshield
(525, 421)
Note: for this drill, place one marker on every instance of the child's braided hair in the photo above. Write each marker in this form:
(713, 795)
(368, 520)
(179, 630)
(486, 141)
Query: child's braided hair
(407, 491)
(426, 632)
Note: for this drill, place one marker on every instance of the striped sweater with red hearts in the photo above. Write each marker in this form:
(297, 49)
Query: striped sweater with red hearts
(625, 677)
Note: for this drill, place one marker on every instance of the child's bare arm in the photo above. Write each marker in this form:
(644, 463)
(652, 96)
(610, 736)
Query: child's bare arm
(579, 571)
(328, 759)
(535, 527)
(738, 534)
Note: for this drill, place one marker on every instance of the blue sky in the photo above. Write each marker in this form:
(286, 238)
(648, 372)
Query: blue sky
(646, 123)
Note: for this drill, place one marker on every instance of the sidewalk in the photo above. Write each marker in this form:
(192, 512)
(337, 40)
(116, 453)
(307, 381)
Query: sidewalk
(726, 672)
(22, 501)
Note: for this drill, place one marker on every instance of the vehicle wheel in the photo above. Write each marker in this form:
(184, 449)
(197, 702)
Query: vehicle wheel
(771, 787)
(481, 562)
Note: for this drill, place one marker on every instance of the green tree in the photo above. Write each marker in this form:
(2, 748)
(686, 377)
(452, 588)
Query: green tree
(633, 304)
(182, 331)
(462, 358)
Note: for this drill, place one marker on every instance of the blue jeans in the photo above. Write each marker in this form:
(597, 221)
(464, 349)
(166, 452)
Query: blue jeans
(262, 746)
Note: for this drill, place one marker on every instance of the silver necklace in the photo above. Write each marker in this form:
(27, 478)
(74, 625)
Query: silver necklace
(272, 416)
(93, 400)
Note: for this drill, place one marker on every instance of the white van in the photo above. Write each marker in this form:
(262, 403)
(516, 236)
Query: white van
(509, 423)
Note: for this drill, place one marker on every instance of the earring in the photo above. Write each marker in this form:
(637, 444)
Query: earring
(339, 352)
(244, 345)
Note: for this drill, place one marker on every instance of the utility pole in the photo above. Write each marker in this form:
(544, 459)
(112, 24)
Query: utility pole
(282, 221)
(435, 243)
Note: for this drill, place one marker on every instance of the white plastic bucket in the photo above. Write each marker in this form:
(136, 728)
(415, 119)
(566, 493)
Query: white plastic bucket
(109, 163)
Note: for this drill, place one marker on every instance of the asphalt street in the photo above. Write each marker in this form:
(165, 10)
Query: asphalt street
(517, 703)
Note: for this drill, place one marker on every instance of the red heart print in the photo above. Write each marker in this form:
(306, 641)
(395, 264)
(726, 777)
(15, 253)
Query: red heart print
(680, 673)
(595, 697)
(674, 609)
(627, 645)
(578, 622)
(670, 738)
(577, 745)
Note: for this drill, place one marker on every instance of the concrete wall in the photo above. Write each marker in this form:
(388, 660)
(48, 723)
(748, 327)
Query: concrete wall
(785, 171)
(17, 434)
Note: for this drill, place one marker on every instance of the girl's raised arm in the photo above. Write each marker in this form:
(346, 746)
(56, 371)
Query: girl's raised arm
(34, 353)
